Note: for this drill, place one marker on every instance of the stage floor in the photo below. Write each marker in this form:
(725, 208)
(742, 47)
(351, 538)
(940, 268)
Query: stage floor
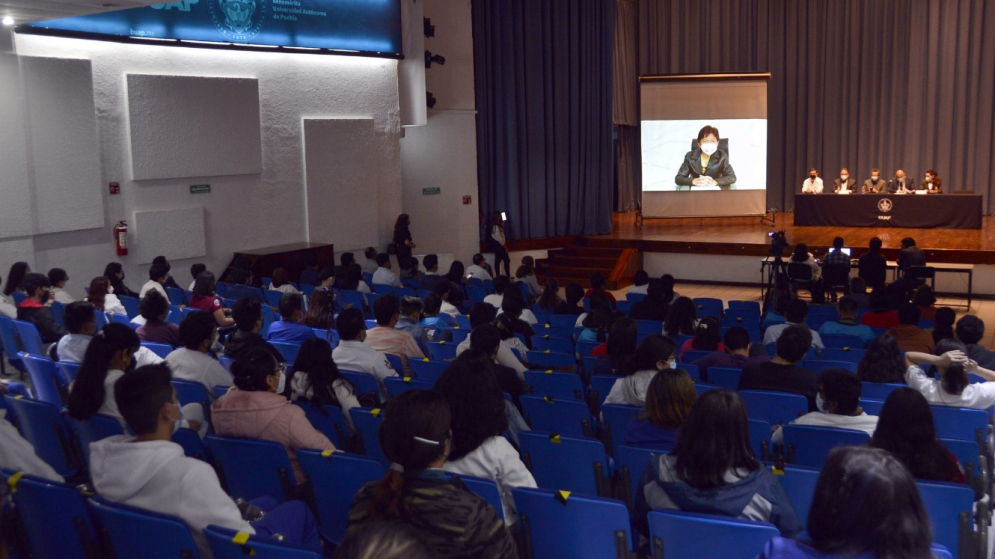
(747, 236)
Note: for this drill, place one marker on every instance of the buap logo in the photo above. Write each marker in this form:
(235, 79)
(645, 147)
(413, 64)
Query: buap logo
(884, 205)
(239, 20)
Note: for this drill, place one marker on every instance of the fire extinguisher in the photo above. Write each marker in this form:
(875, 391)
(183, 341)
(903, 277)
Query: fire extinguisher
(121, 238)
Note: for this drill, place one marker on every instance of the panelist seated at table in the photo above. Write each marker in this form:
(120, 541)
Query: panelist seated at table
(706, 164)
(933, 184)
(813, 184)
(844, 184)
(874, 185)
(901, 184)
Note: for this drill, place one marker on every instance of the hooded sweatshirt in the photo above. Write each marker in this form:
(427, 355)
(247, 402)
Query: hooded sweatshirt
(157, 476)
(755, 495)
(269, 417)
(631, 390)
(18, 454)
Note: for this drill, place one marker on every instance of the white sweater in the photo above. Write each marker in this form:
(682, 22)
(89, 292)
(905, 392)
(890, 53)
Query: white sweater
(497, 460)
(157, 476)
(862, 422)
(17, 454)
(631, 390)
(187, 364)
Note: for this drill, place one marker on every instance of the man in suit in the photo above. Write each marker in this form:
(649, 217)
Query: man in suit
(874, 185)
(845, 183)
(901, 184)
(706, 165)
(932, 183)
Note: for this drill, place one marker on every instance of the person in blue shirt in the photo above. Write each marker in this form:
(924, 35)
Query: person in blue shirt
(847, 324)
(669, 400)
(311, 274)
(290, 330)
(411, 309)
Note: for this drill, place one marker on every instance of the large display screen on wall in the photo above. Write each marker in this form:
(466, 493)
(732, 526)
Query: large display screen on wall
(370, 27)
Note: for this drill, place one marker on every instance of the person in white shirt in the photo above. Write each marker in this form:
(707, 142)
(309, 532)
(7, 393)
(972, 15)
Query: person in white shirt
(838, 401)
(654, 354)
(481, 314)
(157, 275)
(640, 283)
(18, 454)
(191, 362)
(352, 354)
(281, 282)
(317, 380)
(794, 315)
(954, 387)
(384, 275)
(102, 299)
(443, 289)
(479, 448)
(195, 271)
(813, 184)
(82, 325)
(151, 472)
(59, 280)
(477, 270)
(370, 266)
(7, 307)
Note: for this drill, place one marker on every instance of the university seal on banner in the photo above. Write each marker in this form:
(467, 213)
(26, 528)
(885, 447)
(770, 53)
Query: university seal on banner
(884, 205)
(238, 20)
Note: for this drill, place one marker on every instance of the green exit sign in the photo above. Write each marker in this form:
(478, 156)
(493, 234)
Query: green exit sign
(200, 188)
(430, 191)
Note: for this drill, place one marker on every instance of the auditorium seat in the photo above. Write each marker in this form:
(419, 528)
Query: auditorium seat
(362, 383)
(563, 416)
(688, 534)
(806, 445)
(842, 341)
(692, 370)
(67, 371)
(97, 427)
(252, 468)
(616, 421)
(851, 354)
(799, 483)
(552, 360)
(776, 408)
(559, 386)
(950, 508)
(11, 343)
(46, 382)
(878, 390)
(692, 355)
(570, 463)
(630, 463)
(330, 420)
(30, 339)
(335, 478)
(584, 349)
(41, 424)
(54, 517)
(126, 530)
(549, 343)
(601, 385)
(162, 350)
(442, 351)
(724, 377)
(396, 386)
(708, 306)
(367, 422)
(191, 392)
(760, 433)
(819, 365)
(561, 525)
(225, 545)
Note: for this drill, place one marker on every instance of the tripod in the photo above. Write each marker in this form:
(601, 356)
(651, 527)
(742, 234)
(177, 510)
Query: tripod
(776, 283)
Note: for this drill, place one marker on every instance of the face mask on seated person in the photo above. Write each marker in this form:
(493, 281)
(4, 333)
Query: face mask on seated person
(844, 178)
(709, 148)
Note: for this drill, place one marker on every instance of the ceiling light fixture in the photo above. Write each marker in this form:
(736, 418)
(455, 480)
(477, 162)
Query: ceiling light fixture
(8, 21)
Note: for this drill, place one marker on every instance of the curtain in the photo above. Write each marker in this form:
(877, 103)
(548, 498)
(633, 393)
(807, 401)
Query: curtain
(543, 76)
(886, 84)
(626, 112)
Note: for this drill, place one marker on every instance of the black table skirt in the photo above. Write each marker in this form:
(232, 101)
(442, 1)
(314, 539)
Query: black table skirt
(947, 211)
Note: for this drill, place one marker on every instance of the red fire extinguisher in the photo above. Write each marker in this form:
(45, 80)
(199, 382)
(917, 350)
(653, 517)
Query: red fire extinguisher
(121, 238)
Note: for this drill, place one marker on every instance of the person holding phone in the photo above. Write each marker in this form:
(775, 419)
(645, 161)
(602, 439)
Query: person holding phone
(37, 308)
(706, 165)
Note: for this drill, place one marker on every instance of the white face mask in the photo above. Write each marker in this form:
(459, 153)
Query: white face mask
(844, 177)
(709, 148)
(672, 364)
(110, 289)
(875, 179)
(282, 384)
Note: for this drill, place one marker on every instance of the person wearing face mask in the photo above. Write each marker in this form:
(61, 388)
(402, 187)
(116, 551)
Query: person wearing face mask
(191, 362)
(257, 409)
(932, 184)
(706, 165)
(838, 403)
(901, 184)
(813, 184)
(844, 184)
(59, 280)
(874, 185)
(82, 325)
(654, 354)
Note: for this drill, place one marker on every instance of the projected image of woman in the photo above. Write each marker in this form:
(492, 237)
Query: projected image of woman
(706, 165)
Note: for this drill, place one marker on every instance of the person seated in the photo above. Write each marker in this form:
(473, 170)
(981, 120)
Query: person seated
(526, 274)
(813, 184)
(801, 255)
(169, 282)
(205, 298)
(507, 326)
(37, 308)
(256, 408)
(385, 338)
(925, 298)
(281, 282)
(885, 518)
(836, 264)
(158, 274)
(933, 184)
(669, 399)
(15, 278)
(874, 185)
(195, 270)
(707, 337)
(847, 323)
(18, 454)
(783, 374)
(416, 437)
(944, 328)
(59, 279)
(954, 387)
(289, 329)
(312, 273)
(881, 314)
(317, 380)
(410, 269)
(321, 309)
(902, 184)
(654, 354)
(239, 285)
(445, 290)
(431, 277)
(346, 259)
(654, 306)
(838, 401)
(81, 325)
(640, 283)
(734, 354)
(598, 286)
(384, 275)
(615, 356)
(481, 314)
(907, 431)
(911, 255)
(858, 292)
(383, 539)
(353, 280)
(501, 284)
(102, 299)
(550, 297)
(514, 305)
(432, 318)
(486, 341)
(410, 321)
(713, 470)
(370, 265)
(477, 270)
(883, 362)
(971, 330)
(596, 324)
(7, 307)
(326, 277)
(908, 334)
(682, 318)
(353, 355)
(248, 316)
(572, 306)
(845, 184)
(794, 315)
(479, 420)
(114, 272)
(872, 266)
(192, 362)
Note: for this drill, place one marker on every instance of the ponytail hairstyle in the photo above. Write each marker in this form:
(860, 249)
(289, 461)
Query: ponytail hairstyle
(413, 436)
(88, 392)
(315, 360)
(706, 334)
(251, 369)
(955, 378)
(599, 320)
(98, 292)
(550, 295)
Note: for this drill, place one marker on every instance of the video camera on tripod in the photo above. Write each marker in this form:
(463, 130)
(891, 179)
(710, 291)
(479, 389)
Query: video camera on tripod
(778, 242)
(777, 280)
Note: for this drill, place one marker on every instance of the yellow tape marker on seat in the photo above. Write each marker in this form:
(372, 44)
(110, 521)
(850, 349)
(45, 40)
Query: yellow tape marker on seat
(846, 348)
(240, 538)
(562, 497)
(555, 438)
(375, 412)
(548, 399)
(425, 360)
(549, 371)
(547, 351)
(777, 471)
(326, 453)
(443, 342)
(12, 481)
(407, 379)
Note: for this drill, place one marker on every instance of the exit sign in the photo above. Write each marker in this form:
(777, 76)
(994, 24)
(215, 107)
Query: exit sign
(431, 191)
(200, 188)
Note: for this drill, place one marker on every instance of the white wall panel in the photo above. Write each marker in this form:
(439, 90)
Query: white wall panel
(184, 126)
(175, 234)
(15, 210)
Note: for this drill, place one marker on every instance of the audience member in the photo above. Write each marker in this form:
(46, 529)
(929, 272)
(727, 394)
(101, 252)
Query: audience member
(682, 318)
(885, 516)
(618, 354)
(908, 334)
(836, 268)
(954, 387)
(883, 362)
(881, 314)
(18, 454)
(482, 314)
(354, 280)
(191, 362)
(81, 325)
(157, 276)
(169, 282)
(312, 272)
(154, 309)
(596, 324)
(353, 355)
(654, 354)
(195, 270)
(598, 286)
(872, 265)
(7, 307)
(669, 295)
(640, 283)
(858, 292)
(501, 284)
(316, 380)
(108, 355)
(520, 319)
(550, 298)
(321, 309)
(783, 374)
(59, 280)
(713, 470)
(574, 295)
(482, 353)
(970, 331)
(506, 326)
(205, 298)
(371, 264)
(838, 403)
(384, 275)
(431, 277)
(115, 273)
(409, 269)
(248, 316)
(654, 306)
(410, 321)
(735, 353)
(945, 318)
(289, 329)
(37, 308)
(477, 270)
(911, 255)
(526, 274)
(669, 399)
(801, 255)
(707, 337)
(383, 539)
(432, 316)
(15, 277)
(326, 277)
(385, 338)
(847, 323)
(794, 315)
(449, 519)
(102, 299)
(281, 282)
(925, 299)
(446, 290)
(346, 259)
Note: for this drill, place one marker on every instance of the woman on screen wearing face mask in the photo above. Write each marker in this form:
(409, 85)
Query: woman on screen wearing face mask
(706, 165)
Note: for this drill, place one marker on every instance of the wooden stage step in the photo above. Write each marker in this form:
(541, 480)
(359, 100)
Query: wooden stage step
(576, 262)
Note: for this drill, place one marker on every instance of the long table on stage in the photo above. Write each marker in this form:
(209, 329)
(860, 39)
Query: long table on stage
(946, 211)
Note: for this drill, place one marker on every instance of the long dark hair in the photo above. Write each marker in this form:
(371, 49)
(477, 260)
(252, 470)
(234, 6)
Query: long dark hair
(98, 292)
(669, 398)
(315, 359)
(599, 320)
(715, 438)
(945, 318)
(527, 268)
(680, 318)
(88, 392)
(413, 435)
(905, 429)
(476, 405)
(866, 501)
(653, 349)
(455, 273)
(706, 334)
(110, 272)
(321, 311)
(550, 295)
(250, 370)
(955, 378)
(883, 361)
(622, 339)
(402, 223)
(353, 275)
(204, 285)
(801, 253)
(15, 276)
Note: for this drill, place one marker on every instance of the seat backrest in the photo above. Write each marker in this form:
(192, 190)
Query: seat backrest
(396, 386)
(273, 297)
(776, 408)
(649, 327)
(842, 341)
(335, 478)
(46, 382)
(253, 468)
(11, 341)
(601, 385)
(30, 338)
(288, 351)
(550, 415)
(708, 306)
(130, 304)
(552, 359)
(486, 489)
(56, 521)
(41, 424)
(67, 371)
(442, 351)
(616, 420)
(760, 433)
(692, 355)
(799, 271)
(819, 365)
(559, 386)
(190, 392)
(967, 452)
(229, 544)
(688, 534)
(193, 447)
(872, 407)
(960, 424)
(836, 274)
(367, 422)
(631, 462)
(807, 445)
(427, 370)
(162, 350)
(878, 390)
(330, 420)
(362, 383)
(125, 529)
(799, 484)
(559, 345)
(562, 525)
(724, 377)
(97, 427)
(396, 363)
(945, 504)
(851, 354)
(560, 462)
